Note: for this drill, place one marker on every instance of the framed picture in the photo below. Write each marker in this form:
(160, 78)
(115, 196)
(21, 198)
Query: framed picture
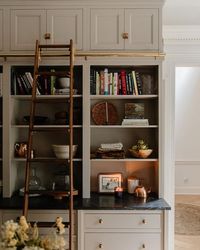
(109, 181)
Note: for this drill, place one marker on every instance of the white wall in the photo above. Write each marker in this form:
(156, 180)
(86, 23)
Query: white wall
(187, 130)
(181, 36)
(181, 12)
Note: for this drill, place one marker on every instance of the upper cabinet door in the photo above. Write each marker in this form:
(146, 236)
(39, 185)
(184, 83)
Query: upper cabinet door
(142, 28)
(1, 29)
(63, 25)
(107, 26)
(27, 26)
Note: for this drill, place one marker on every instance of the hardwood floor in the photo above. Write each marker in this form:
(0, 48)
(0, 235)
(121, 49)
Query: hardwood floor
(187, 242)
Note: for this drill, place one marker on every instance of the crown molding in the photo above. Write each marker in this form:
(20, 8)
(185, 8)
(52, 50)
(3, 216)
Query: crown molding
(181, 40)
(181, 34)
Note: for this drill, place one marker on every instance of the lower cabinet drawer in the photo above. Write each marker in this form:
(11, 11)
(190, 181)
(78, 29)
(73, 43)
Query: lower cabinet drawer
(121, 220)
(122, 241)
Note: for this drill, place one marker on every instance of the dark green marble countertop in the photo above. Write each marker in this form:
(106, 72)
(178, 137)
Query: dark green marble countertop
(96, 202)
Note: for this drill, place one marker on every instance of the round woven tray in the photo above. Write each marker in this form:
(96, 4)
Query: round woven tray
(104, 113)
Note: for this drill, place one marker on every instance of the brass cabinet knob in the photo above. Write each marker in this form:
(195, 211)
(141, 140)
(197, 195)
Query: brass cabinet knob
(125, 35)
(144, 221)
(143, 246)
(47, 36)
(100, 221)
(100, 245)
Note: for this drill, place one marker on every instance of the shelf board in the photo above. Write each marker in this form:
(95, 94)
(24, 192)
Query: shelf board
(55, 193)
(123, 96)
(122, 126)
(47, 127)
(46, 159)
(124, 160)
(40, 98)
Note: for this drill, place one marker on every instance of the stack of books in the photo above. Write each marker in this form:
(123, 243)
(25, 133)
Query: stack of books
(134, 115)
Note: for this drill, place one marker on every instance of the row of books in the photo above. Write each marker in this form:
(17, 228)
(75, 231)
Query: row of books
(115, 83)
(22, 84)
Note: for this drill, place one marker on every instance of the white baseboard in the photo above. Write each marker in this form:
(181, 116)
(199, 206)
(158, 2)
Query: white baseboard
(187, 190)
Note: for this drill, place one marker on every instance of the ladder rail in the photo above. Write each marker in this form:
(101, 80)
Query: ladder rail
(38, 54)
(71, 205)
(30, 132)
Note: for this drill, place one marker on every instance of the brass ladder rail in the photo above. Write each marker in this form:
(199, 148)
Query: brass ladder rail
(38, 56)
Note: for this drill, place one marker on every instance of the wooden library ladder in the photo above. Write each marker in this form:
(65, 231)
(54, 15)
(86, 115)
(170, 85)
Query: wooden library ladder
(69, 51)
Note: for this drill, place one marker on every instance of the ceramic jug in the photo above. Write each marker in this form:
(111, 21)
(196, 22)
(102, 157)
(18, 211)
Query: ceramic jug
(20, 149)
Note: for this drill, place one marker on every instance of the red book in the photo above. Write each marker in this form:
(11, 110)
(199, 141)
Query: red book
(123, 79)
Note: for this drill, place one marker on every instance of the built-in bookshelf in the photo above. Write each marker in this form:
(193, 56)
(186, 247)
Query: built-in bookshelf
(52, 126)
(1, 130)
(124, 103)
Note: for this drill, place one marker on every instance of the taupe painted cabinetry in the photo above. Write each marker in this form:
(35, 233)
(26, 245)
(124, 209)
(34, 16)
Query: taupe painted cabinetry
(1, 29)
(130, 29)
(120, 230)
(49, 26)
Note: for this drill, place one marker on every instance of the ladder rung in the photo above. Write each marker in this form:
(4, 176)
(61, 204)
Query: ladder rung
(45, 129)
(48, 73)
(48, 224)
(54, 46)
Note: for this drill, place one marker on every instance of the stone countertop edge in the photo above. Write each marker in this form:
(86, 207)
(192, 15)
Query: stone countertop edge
(96, 202)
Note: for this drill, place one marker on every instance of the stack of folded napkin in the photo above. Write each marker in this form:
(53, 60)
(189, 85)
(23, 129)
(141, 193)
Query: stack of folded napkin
(111, 151)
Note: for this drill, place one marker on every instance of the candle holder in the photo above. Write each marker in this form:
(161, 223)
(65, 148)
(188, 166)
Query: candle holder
(118, 192)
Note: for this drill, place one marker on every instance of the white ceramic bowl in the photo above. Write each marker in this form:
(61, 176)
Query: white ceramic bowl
(62, 151)
(63, 82)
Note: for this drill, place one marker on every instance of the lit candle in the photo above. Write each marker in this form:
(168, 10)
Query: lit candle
(118, 192)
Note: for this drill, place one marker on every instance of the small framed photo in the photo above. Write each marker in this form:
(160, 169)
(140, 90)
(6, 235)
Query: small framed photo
(109, 181)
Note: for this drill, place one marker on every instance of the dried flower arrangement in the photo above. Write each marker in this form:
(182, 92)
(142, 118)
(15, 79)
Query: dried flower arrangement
(23, 236)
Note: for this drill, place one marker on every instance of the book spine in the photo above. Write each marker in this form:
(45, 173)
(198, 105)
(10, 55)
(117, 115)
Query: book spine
(110, 80)
(123, 79)
(52, 83)
(119, 86)
(135, 83)
(20, 86)
(24, 84)
(30, 79)
(106, 83)
(139, 82)
(127, 85)
(115, 83)
(102, 82)
(97, 83)
(28, 85)
(92, 82)
(130, 84)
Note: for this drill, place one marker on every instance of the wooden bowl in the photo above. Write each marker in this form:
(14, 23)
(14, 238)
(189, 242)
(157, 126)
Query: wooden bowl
(142, 153)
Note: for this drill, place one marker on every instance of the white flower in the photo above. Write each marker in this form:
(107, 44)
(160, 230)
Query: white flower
(60, 226)
(26, 237)
(23, 223)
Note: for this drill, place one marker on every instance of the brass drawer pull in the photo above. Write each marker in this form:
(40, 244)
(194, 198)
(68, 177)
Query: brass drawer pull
(100, 221)
(100, 245)
(144, 221)
(47, 36)
(125, 35)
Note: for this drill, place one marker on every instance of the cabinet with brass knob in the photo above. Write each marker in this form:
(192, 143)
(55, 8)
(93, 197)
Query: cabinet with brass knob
(50, 26)
(125, 29)
(108, 229)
